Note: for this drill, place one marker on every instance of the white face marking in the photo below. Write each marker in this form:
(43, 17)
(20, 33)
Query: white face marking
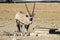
(30, 18)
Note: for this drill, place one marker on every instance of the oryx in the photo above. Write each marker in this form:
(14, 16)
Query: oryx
(24, 18)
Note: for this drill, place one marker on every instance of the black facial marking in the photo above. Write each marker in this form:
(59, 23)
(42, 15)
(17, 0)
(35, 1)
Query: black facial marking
(30, 19)
(26, 15)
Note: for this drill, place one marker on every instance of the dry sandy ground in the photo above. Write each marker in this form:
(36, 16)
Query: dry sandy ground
(40, 37)
(46, 15)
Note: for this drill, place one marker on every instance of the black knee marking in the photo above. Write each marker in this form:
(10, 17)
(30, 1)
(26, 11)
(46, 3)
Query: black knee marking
(21, 26)
(18, 25)
(26, 27)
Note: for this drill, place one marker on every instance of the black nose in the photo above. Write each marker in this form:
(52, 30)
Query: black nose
(30, 19)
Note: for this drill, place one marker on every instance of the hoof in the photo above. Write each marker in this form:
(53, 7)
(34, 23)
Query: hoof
(27, 34)
(19, 34)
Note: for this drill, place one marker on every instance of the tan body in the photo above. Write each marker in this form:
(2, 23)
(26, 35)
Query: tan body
(23, 18)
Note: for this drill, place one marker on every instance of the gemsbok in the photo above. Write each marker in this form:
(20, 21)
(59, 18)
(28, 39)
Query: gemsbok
(24, 19)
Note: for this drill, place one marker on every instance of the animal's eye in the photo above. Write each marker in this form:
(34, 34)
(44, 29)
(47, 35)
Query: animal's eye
(26, 15)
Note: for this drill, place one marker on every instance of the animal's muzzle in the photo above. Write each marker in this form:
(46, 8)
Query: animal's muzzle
(31, 19)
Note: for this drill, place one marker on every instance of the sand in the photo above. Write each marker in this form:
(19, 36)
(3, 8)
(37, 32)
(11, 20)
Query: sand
(45, 15)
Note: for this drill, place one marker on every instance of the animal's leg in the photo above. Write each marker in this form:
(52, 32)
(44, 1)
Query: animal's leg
(18, 25)
(26, 30)
(26, 27)
(21, 26)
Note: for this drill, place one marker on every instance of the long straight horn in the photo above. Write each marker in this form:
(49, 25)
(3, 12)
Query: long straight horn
(27, 9)
(33, 9)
